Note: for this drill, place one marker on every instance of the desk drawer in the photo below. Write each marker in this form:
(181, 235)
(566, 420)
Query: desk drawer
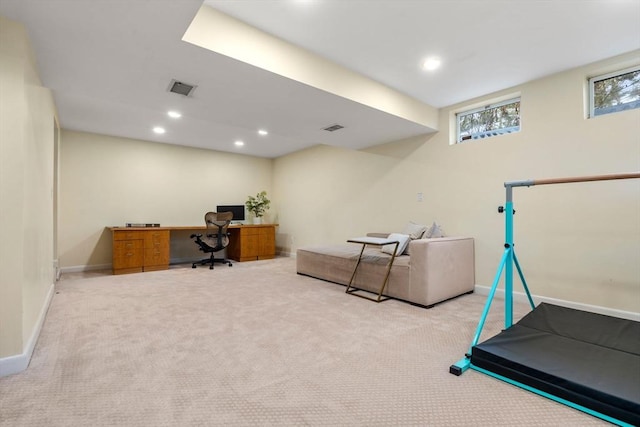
(156, 256)
(249, 231)
(128, 254)
(156, 238)
(127, 235)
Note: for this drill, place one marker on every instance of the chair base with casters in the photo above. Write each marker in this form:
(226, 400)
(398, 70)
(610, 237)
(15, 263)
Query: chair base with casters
(207, 249)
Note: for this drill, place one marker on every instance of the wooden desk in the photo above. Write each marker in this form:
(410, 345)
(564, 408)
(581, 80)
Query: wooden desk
(138, 249)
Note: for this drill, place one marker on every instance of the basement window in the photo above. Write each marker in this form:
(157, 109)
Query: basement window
(494, 119)
(613, 92)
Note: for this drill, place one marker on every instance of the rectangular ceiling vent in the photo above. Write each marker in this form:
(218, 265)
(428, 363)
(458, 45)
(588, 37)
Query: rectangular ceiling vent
(181, 88)
(333, 128)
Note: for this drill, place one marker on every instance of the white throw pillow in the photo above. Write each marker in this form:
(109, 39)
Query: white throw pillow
(403, 240)
(433, 232)
(415, 231)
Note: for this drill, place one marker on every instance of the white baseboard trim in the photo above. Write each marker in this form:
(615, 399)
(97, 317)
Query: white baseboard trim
(18, 363)
(521, 297)
(94, 267)
(172, 261)
(80, 268)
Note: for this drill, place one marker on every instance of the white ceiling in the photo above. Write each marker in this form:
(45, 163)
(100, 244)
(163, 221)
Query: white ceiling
(109, 62)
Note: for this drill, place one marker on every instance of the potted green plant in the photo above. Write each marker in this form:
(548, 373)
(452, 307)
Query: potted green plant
(258, 205)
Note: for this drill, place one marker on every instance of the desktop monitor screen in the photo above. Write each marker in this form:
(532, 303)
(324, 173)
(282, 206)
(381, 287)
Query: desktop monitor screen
(238, 211)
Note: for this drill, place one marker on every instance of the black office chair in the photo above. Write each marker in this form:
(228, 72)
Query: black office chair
(216, 238)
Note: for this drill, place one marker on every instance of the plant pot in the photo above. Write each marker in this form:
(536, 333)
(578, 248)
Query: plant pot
(257, 220)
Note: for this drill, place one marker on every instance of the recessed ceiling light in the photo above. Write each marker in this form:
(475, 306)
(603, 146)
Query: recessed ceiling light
(174, 114)
(239, 143)
(159, 130)
(263, 132)
(431, 63)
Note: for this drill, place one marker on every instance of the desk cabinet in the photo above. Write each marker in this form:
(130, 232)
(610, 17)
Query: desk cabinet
(252, 242)
(137, 249)
(156, 250)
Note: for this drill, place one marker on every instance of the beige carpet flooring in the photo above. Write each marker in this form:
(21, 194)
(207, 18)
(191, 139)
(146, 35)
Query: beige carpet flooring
(257, 344)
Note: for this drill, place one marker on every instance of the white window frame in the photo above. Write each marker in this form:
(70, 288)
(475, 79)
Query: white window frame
(494, 104)
(594, 79)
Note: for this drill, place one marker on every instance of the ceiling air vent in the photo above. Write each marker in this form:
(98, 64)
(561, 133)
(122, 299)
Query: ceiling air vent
(181, 88)
(333, 128)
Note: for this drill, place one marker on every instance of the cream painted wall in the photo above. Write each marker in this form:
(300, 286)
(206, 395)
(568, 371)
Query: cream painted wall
(576, 242)
(26, 194)
(327, 194)
(109, 181)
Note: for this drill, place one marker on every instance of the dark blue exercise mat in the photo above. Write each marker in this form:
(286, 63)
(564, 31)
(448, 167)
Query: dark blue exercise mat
(589, 359)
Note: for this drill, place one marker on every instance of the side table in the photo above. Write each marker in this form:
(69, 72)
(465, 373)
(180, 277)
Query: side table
(373, 241)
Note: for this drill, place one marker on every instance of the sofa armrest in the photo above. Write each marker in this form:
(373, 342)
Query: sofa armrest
(441, 268)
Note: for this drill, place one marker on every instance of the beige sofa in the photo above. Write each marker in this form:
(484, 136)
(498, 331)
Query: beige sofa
(434, 270)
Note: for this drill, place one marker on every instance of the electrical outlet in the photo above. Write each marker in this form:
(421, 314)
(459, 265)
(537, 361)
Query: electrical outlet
(419, 197)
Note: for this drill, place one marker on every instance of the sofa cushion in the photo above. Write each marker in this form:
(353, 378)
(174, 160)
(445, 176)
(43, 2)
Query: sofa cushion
(403, 240)
(335, 263)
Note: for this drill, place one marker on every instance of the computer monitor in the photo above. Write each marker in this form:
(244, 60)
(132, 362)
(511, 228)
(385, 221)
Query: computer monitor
(238, 211)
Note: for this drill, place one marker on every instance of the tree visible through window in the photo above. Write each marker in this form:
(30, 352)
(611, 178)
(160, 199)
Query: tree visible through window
(495, 119)
(615, 92)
